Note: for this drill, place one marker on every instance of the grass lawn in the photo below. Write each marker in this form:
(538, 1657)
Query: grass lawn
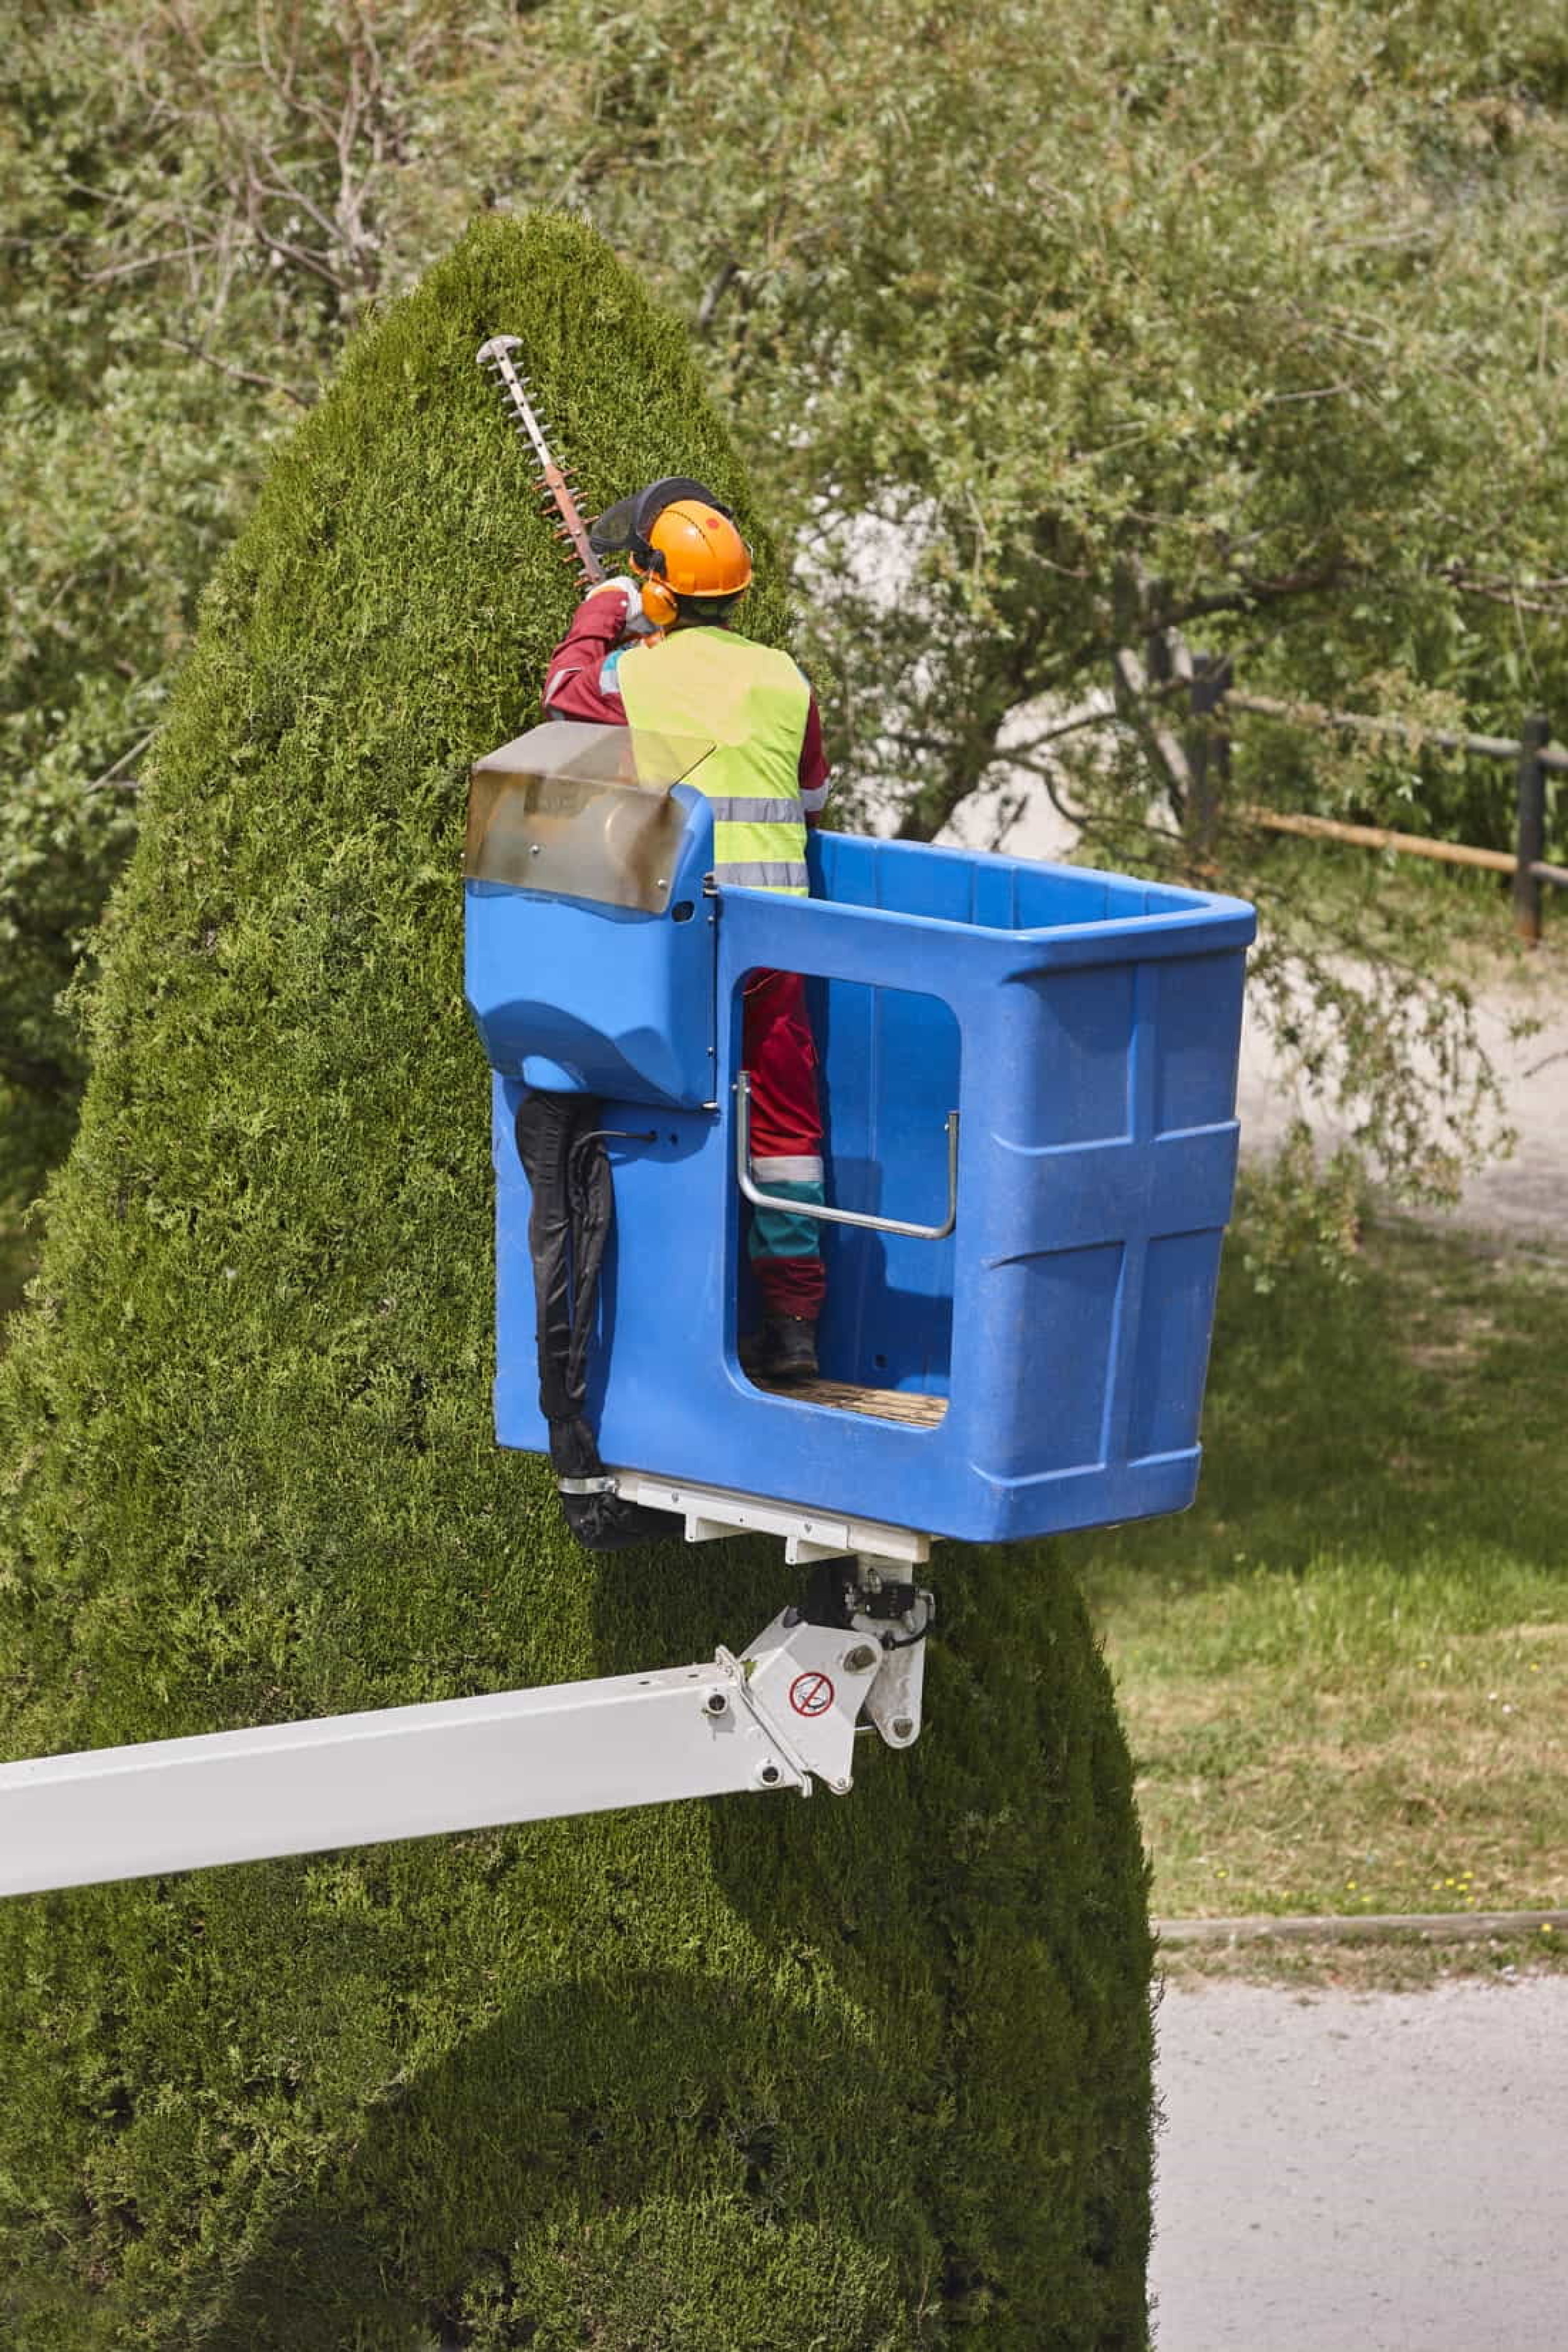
(1345, 1671)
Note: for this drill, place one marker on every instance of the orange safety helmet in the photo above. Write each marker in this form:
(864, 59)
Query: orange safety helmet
(681, 541)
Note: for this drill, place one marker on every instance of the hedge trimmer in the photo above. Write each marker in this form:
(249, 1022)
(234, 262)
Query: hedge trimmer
(553, 481)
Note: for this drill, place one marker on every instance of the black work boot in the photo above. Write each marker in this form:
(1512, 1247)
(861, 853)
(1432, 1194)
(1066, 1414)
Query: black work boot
(783, 1349)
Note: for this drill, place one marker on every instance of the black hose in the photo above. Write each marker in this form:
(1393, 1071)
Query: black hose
(561, 1146)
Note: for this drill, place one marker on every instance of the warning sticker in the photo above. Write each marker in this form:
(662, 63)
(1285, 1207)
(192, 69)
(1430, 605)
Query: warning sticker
(811, 1694)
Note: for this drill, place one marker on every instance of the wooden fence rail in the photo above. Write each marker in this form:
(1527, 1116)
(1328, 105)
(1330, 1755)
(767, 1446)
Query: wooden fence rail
(1196, 761)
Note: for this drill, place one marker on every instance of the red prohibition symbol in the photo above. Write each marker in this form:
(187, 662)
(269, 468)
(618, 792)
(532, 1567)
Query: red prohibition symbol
(811, 1694)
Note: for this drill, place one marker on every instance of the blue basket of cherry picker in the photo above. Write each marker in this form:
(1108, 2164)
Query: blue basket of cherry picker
(1029, 1083)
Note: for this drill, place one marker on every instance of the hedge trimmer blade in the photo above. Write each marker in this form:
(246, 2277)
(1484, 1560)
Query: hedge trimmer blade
(554, 488)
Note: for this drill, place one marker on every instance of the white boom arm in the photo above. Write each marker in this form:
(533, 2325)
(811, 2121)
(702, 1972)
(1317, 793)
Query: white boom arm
(783, 1713)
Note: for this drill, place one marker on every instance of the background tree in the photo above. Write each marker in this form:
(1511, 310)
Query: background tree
(732, 2078)
(192, 215)
(1247, 321)
(1039, 332)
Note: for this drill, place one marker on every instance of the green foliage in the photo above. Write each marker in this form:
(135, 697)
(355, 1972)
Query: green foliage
(712, 2079)
(1245, 319)
(1038, 335)
(1299, 1207)
(1239, 292)
(125, 467)
(17, 1266)
(194, 210)
(1035, 333)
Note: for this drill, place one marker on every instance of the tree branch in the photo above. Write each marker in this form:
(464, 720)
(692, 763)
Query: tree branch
(1132, 681)
(116, 775)
(240, 375)
(718, 286)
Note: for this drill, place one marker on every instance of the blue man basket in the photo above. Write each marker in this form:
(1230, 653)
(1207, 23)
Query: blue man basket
(1017, 1324)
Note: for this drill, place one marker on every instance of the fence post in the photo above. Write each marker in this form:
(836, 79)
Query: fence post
(1208, 749)
(1528, 889)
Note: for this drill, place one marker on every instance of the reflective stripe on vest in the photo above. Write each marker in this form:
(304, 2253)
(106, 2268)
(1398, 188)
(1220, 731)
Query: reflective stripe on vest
(749, 808)
(762, 872)
(752, 704)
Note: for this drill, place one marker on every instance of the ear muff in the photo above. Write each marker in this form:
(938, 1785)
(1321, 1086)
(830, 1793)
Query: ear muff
(660, 603)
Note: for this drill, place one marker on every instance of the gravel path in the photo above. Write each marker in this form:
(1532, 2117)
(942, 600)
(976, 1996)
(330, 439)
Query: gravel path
(1363, 2173)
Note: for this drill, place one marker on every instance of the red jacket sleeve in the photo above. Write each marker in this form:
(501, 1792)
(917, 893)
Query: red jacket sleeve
(579, 678)
(814, 768)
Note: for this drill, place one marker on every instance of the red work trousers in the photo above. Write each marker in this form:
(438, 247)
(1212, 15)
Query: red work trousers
(780, 1054)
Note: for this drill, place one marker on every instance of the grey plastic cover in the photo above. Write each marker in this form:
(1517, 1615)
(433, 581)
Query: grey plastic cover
(581, 811)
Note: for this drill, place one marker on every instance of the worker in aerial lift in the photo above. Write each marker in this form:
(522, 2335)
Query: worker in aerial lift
(659, 650)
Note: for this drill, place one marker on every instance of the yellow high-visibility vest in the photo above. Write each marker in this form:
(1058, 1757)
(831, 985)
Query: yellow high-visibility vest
(752, 704)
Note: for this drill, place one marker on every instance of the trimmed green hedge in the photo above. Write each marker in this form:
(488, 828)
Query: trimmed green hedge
(716, 2078)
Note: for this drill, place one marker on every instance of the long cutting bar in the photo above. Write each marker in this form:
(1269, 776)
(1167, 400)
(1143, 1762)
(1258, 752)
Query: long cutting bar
(497, 355)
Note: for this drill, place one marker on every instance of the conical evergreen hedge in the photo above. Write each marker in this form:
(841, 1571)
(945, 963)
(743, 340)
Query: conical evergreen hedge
(754, 2076)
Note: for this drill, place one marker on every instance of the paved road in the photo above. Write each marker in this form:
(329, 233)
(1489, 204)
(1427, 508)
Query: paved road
(1371, 2173)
